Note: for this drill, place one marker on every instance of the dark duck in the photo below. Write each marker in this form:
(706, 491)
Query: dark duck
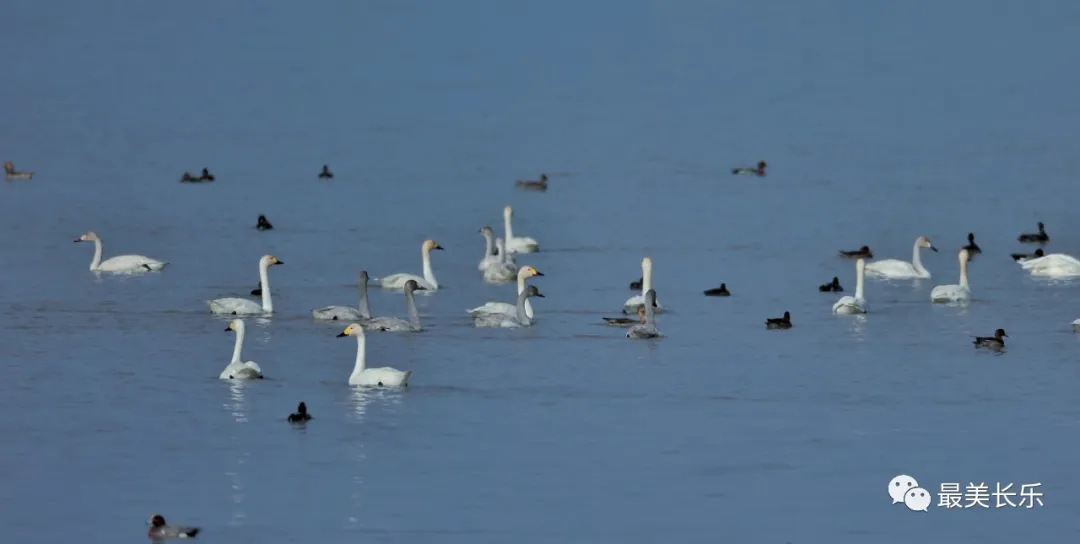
(263, 224)
(759, 171)
(301, 414)
(1037, 238)
(833, 287)
(1021, 257)
(996, 342)
(326, 173)
(779, 322)
(718, 291)
(861, 253)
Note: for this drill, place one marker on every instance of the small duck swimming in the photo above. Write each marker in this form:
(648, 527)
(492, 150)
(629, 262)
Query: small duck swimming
(779, 322)
(996, 342)
(263, 224)
(861, 253)
(326, 173)
(718, 291)
(301, 414)
(1038, 238)
(160, 531)
(833, 287)
(11, 174)
(627, 321)
(972, 247)
(531, 185)
(1021, 257)
(636, 284)
(759, 171)
(206, 175)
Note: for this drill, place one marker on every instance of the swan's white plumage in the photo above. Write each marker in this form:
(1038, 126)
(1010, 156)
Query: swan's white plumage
(243, 306)
(954, 293)
(848, 305)
(897, 269)
(237, 370)
(648, 328)
(507, 308)
(503, 271)
(490, 258)
(396, 324)
(427, 281)
(631, 305)
(519, 319)
(517, 244)
(120, 263)
(1054, 265)
(347, 313)
(364, 376)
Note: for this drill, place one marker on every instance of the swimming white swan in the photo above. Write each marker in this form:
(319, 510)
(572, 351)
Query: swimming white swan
(507, 308)
(428, 282)
(347, 313)
(631, 305)
(854, 304)
(520, 319)
(648, 328)
(490, 258)
(895, 268)
(954, 293)
(238, 370)
(243, 306)
(505, 270)
(394, 324)
(516, 244)
(1056, 265)
(361, 375)
(120, 263)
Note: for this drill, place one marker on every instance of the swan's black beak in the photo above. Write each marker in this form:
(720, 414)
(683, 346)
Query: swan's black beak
(437, 246)
(341, 334)
(229, 328)
(279, 262)
(539, 273)
(77, 241)
(934, 249)
(539, 294)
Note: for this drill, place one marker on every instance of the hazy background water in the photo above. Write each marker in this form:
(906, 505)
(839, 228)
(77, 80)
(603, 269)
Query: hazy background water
(880, 122)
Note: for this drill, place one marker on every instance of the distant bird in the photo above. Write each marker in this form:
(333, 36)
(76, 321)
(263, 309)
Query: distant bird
(1021, 257)
(206, 175)
(160, 531)
(996, 342)
(301, 414)
(1038, 238)
(188, 178)
(531, 185)
(636, 284)
(263, 224)
(833, 287)
(972, 247)
(627, 321)
(779, 322)
(326, 173)
(861, 253)
(759, 171)
(718, 291)
(11, 174)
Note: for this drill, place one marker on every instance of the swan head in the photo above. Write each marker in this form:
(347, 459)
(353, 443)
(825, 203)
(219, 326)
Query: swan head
(88, 237)
(430, 245)
(487, 231)
(650, 297)
(532, 291)
(363, 276)
(352, 330)
(411, 286)
(964, 256)
(269, 260)
(529, 272)
(925, 242)
(646, 264)
(235, 325)
(508, 212)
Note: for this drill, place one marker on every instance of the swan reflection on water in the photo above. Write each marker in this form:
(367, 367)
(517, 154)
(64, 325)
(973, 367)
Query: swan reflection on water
(238, 409)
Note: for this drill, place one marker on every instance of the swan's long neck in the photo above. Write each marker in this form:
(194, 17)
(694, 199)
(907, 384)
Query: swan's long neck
(522, 317)
(646, 277)
(94, 264)
(521, 289)
(239, 329)
(489, 245)
(963, 274)
(267, 304)
(860, 273)
(414, 317)
(916, 261)
(506, 224)
(429, 274)
(504, 257)
(365, 311)
(649, 311)
(358, 368)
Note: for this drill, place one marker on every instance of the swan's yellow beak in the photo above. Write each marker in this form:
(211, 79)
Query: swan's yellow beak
(229, 328)
(346, 332)
(535, 272)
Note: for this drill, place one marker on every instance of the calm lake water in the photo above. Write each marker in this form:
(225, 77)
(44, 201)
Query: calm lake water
(879, 123)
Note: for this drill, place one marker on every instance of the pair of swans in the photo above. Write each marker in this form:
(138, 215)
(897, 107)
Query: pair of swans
(501, 320)
(243, 306)
(648, 328)
(428, 281)
(498, 268)
(632, 304)
(507, 308)
(362, 314)
(237, 369)
(121, 263)
(364, 376)
(897, 269)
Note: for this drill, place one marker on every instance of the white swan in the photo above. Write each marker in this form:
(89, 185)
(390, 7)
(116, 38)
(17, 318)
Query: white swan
(516, 244)
(631, 305)
(490, 257)
(361, 375)
(428, 282)
(120, 263)
(507, 308)
(954, 293)
(648, 328)
(395, 324)
(238, 370)
(897, 269)
(854, 304)
(505, 270)
(243, 306)
(520, 319)
(1055, 265)
(348, 313)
